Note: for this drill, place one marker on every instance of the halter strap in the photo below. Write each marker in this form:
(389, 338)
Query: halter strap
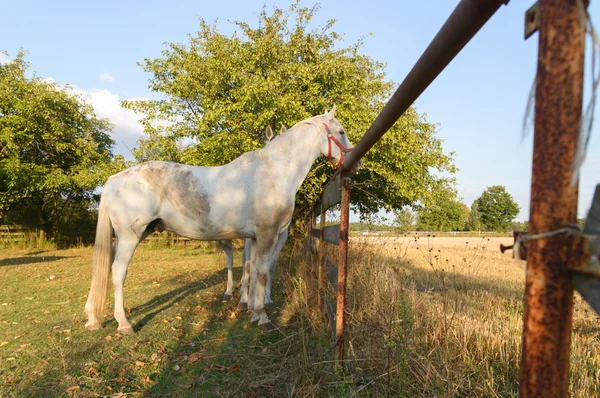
(344, 151)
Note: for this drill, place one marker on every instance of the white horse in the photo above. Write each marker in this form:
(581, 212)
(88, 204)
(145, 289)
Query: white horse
(251, 197)
(227, 247)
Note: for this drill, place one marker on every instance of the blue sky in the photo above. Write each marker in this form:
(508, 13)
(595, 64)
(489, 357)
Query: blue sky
(478, 101)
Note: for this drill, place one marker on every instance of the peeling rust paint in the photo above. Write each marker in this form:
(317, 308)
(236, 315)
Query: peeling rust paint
(549, 292)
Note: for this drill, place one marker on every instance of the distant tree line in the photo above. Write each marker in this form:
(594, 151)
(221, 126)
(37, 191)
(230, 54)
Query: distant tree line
(495, 210)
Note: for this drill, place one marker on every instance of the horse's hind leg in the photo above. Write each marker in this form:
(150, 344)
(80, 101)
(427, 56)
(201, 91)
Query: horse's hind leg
(228, 249)
(246, 261)
(125, 249)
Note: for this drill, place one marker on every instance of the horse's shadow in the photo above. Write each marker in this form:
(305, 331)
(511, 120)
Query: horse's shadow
(160, 303)
(30, 260)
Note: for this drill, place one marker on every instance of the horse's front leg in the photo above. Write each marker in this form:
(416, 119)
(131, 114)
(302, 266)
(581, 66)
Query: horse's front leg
(272, 267)
(259, 271)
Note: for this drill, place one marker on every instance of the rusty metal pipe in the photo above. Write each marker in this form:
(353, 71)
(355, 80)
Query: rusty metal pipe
(321, 265)
(548, 291)
(464, 22)
(343, 266)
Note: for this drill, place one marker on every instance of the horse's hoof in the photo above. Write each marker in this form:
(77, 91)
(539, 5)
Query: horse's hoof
(93, 325)
(126, 330)
(267, 326)
(243, 306)
(270, 306)
(227, 297)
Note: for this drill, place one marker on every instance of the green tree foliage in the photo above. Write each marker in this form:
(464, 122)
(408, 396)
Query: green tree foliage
(444, 212)
(497, 208)
(522, 226)
(405, 219)
(53, 151)
(221, 91)
(474, 219)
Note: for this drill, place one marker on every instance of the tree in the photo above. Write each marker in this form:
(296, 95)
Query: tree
(474, 220)
(53, 151)
(221, 91)
(444, 212)
(405, 219)
(497, 208)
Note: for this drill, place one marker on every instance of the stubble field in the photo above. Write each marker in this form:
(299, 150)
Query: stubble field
(427, 317)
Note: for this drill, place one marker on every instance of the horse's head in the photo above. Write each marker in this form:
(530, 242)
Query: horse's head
(335, 144)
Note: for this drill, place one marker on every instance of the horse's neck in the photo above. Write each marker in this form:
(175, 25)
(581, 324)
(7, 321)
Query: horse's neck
(294, 153)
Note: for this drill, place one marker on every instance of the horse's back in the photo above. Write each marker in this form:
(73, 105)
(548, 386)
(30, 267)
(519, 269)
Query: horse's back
(197, 202)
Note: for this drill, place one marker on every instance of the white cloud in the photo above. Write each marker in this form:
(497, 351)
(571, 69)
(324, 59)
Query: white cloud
(4, 59)
(127, 126)
(107, 77)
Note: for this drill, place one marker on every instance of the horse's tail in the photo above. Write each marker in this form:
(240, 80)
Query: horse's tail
(101, 264)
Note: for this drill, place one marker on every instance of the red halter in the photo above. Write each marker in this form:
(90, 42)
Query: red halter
(344, 151)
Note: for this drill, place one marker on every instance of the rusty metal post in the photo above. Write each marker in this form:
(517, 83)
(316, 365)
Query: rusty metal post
(343, 266)
(548, 291)
(321, 263)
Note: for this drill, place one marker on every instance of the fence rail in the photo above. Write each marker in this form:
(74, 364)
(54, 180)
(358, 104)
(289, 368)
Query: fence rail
(563, 261)
(466, 20)
(20, 234)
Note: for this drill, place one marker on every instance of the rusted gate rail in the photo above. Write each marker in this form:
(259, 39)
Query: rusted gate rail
(549, 285)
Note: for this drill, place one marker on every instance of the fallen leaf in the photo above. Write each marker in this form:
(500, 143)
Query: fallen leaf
(233, 367)
(51, 277)
(195, 358)
(109, 388)
(147, 380)
(3, 343)
(176, 368)
(108, 338)
(74, 388)
(139, 363)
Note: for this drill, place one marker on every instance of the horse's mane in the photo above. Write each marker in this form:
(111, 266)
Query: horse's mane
(262, 153)
(313, 121)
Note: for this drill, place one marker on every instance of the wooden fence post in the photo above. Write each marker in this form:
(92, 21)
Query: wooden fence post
(343, 266)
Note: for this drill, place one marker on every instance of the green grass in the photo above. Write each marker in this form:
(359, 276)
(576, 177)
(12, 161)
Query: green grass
(426, 317)
(187, 342)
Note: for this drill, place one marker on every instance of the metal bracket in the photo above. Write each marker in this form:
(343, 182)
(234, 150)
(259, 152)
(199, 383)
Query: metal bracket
(585, 275)
(532, 20)
(519, 247)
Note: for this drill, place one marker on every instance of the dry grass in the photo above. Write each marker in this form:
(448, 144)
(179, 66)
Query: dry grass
(432, 317)
(442, 316)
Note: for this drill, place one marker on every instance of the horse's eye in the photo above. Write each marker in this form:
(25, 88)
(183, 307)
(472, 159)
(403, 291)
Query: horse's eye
(342, 132)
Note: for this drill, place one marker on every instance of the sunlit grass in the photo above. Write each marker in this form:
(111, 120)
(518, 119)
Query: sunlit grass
(426, 317)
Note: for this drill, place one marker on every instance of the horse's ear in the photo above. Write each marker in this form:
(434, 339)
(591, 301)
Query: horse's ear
(269, 133)
(331, 113)
(283, 129)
